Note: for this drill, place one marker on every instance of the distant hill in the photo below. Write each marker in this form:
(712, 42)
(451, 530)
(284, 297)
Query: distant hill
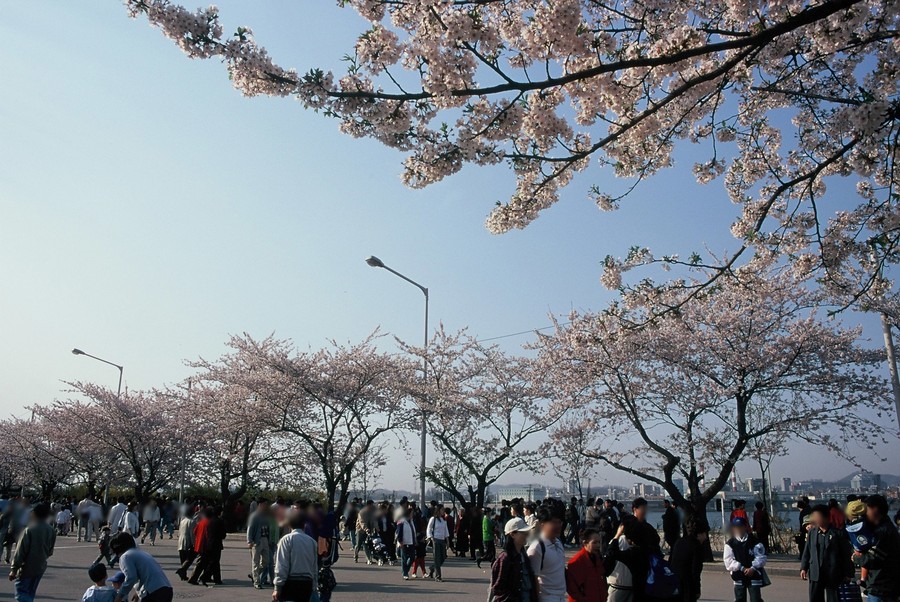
(888, 480)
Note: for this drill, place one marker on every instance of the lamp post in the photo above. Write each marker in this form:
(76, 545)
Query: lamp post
(78, 351)
(423, 434)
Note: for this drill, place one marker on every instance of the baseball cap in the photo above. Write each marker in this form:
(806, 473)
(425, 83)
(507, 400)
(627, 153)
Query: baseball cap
(855, 509)
(117, 578)
(515, 524)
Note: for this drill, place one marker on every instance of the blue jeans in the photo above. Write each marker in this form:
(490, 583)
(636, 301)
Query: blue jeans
(26, 588)
(741, 591)
(407, 555)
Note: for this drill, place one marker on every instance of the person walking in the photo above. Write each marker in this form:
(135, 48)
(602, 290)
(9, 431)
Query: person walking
(201, 536)
(215, 538)
(461, 533)
(365, 528)
(438, 533)
(186, 553)
(258, 542)
(84, 513)
(882, 560)
(296, 563)
(686, 558)
(512, 579)
(488, 536)
(34, 547)
(744, 558)
(130, 522)
(826, 562)
(151, 522)
(406, 541)
(548, 557)
(141, 570)
(114, 518)
(585, 574)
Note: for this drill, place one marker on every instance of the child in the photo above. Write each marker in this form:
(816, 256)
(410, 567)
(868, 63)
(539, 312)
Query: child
(862, 535)
(105, 552)
(117, 580)
(100, 591)
(63, 518)
(745, 557)
(421, 550)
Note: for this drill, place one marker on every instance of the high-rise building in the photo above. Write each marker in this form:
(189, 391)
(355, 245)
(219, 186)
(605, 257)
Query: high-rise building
(786, 484)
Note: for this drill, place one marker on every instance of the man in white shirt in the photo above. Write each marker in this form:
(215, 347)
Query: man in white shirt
(438, 533)
(83, 511)
(296, 563)
(548, 558)
(115, 516)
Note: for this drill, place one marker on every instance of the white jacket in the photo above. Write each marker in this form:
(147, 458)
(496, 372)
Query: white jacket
(437, 529)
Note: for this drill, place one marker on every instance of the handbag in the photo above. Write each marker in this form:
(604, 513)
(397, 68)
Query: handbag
(850, 592)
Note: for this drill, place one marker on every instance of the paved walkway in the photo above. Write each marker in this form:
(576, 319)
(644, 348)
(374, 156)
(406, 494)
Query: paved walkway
(66, 579)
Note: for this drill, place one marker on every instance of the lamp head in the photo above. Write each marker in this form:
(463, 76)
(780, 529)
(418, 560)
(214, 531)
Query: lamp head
(77, 351)
(375, 262)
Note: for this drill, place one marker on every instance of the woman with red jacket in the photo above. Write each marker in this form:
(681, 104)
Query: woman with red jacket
(585, 576)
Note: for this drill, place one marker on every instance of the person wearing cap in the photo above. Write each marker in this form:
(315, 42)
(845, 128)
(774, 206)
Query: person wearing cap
(34, 547)
(883, 559)
(548, 557)
(512, 579)
(745, 557)
(826, 558)
(100, 591)
(141, 568)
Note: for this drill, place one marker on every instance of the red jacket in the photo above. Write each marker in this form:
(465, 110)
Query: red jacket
(200, 535)
(585, 579)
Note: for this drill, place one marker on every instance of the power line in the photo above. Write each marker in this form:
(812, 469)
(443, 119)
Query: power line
(516, 334)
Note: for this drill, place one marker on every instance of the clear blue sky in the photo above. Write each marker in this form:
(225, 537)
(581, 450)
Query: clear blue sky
(147, 210)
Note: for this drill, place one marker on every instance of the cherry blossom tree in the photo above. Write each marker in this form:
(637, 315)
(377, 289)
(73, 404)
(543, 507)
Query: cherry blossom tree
(146, 429)
(748, 360)
(483, 410)
(237, 442)
(92, 461)
(781, 97)
(38, 454)
(336, 403)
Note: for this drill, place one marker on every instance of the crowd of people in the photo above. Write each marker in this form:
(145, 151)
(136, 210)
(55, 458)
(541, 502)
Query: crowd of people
(526, 547)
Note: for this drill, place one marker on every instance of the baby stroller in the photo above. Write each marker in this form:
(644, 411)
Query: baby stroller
(378, 550)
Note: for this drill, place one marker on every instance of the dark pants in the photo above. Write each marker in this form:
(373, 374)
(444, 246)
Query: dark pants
(819, 592)
(200, 569)
(163, 594)
(490, 551)
(476, 548)
(296, 590)
(214, 568)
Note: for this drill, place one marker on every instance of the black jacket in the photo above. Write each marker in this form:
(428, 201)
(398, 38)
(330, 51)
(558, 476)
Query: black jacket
(507, 578)
(215, 534)
(686, 560)
(883, 561)
(834, 566)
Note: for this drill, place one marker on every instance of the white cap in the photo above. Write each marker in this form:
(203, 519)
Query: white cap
(516, 524)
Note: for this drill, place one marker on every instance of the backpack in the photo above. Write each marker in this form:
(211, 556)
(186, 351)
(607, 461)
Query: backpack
(327, 582)
(662, 582)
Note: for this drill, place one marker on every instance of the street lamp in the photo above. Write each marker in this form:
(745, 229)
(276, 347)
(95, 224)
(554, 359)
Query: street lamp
(377, 263)
(78, 351)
